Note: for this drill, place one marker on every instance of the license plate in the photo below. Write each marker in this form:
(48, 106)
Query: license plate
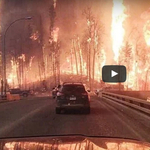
(72, 98)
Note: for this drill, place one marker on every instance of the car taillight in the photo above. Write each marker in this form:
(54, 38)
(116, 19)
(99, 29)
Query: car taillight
(84, 94)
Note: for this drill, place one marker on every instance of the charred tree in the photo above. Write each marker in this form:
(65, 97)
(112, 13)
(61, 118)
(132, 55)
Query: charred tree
(75, 54)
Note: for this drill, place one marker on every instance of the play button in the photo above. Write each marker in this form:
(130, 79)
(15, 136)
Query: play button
(114, 73)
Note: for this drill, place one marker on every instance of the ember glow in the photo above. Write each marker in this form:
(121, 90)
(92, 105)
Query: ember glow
(147, 32)
(55, 2)
(22, 57)
(12, 77)
(31, 60)
(55, 34)
(84, 53)
(117, 31)
(34, 36)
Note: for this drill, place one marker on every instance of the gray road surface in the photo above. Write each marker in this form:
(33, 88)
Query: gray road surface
(37, 117)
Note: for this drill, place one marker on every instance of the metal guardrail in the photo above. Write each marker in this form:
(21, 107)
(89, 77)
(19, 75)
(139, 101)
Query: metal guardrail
(136, 103)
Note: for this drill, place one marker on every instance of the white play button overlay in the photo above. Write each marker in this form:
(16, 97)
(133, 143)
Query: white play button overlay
(113, 73)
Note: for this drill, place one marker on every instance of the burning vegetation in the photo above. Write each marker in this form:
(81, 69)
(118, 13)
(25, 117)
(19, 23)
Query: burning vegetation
(79, 46)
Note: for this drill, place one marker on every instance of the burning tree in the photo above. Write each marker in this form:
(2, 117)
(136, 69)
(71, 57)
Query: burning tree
(117, 30)
(54, 45)
(92, 42)
(126, 59)
(76, 53)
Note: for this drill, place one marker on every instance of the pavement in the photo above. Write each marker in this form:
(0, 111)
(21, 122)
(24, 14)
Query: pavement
(22, 98)
(36, 117)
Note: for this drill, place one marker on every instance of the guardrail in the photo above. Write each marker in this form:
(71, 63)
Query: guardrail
(136, 103)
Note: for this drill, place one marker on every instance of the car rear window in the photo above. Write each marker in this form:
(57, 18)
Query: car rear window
(76, 88)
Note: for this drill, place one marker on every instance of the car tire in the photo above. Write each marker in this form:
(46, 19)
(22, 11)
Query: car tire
(25, 95)
(87, 110)
(53, 97)
(58, 110)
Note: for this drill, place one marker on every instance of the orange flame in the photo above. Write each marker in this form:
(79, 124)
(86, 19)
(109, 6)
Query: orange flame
(117, 32)
(31, 60)
(55, 1)
(55, 34)
(34, 36)
(147, 32)
(22, 57)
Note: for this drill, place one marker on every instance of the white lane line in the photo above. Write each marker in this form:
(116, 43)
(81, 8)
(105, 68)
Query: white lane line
(11, 126)
(124, 122)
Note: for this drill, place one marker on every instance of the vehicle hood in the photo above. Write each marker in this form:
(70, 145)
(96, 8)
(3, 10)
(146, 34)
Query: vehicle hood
(72, 143)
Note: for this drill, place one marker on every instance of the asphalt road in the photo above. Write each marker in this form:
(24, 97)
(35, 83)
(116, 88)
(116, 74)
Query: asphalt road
(36, 117)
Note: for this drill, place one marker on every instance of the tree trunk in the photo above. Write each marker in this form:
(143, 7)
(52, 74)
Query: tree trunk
(54, 69)
(74, 48)
(80, 59)
(44, 63)
(71, 62)
(89, 66)
(39, 70)
(20, 75)
(58, 66)
(51, 65)
(94, 65)
(58, 73)
(17, 72)
(145, 87)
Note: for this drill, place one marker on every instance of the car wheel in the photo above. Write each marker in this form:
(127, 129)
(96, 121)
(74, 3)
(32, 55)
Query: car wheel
(25, 95)
(58, 110)
(53, 97)
(87, 110)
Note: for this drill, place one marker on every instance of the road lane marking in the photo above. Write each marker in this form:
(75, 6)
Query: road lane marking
(112, 109)
(6, 129)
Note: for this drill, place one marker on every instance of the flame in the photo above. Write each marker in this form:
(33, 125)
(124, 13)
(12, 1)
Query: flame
(136, 75)
(12, 76)
(117, 32)
(22, 57)
(34, 36)
(31, 60)
(55, 34)
(146, 30)
(146, 27)
(55, 2)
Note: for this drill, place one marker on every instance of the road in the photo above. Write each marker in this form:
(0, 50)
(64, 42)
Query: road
(37, 117)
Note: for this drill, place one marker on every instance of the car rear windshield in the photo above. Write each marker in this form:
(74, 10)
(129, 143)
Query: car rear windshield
(14, 90)
(75, 88)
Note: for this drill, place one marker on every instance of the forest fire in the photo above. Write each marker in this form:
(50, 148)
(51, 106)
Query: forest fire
(147, 32)
(86, 51)
(117, 32)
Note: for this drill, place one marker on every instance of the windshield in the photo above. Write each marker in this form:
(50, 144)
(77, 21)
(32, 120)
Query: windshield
(97, 48)
(72, 88)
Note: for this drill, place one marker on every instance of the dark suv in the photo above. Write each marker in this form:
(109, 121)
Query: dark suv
(72, 96)
(23, 93)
